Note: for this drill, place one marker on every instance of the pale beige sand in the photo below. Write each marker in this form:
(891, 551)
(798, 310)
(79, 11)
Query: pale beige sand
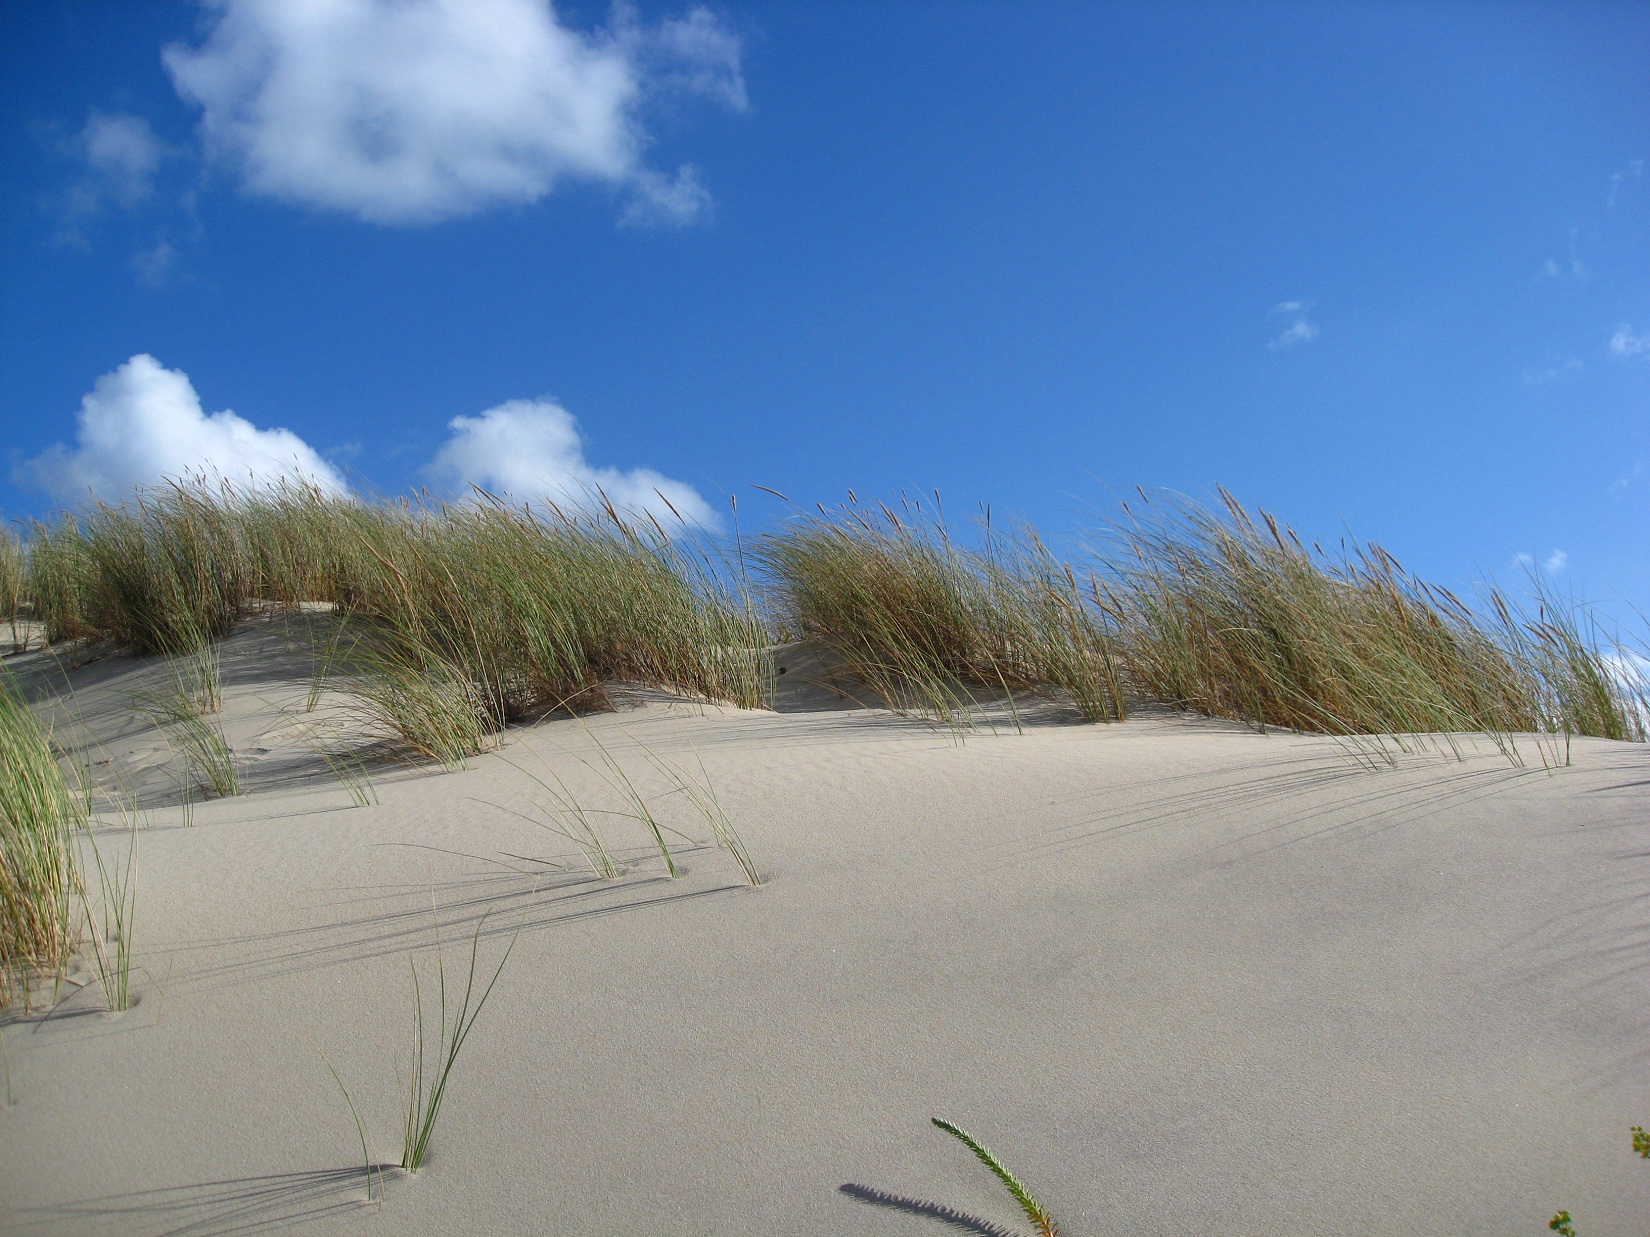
(1184, 978)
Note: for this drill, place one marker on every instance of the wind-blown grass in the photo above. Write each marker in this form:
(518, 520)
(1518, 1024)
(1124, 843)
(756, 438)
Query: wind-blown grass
(470, 617)
(542, 610)
(38, 816)
(14, 569)
(1234, 616)
(578, 826)
(193, 689)
(701, 795)
(928, 624)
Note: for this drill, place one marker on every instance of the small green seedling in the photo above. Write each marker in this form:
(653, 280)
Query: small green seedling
(429, 1086)
(1563, 1223)
(1041, 1222)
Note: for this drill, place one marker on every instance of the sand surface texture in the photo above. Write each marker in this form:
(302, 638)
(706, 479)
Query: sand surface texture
(1183, 978)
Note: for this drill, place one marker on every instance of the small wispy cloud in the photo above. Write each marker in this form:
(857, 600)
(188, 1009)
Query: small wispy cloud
(1621, 180)
(119, 158)
(1571, 268)
(1299, 329)
(1553, 370)
(1632, 476)
(1625, 344)
(1552, 564)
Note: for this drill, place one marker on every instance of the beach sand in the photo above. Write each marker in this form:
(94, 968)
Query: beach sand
(1182, 977)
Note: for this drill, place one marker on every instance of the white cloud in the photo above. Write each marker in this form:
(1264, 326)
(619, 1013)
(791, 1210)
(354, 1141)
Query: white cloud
(154, 266)
(143, 424)
(531, 450)
(412, 111)
(121, 157)
(124, 151)
(1552, 564)
(1625, 343)
(1299, 331)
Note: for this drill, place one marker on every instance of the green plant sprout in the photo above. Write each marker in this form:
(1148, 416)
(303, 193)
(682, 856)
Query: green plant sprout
(428, 1091)
(1563, 1223)
(1041, 1222)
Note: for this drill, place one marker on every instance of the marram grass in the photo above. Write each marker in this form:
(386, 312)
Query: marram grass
(466, 618)
(38, 817)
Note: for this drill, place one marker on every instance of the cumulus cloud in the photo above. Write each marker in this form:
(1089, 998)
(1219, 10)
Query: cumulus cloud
(1300, 330)
(143, 424)
(413, 111)
(1624, 343)
(530, 450)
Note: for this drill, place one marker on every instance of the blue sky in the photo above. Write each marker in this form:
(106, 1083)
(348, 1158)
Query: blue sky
(1377, 267)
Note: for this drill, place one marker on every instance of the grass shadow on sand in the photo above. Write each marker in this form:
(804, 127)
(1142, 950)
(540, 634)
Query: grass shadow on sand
(206, 1209)
(394, 921)
(959, 1220)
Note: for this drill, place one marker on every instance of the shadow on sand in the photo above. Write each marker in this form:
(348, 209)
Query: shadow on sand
(210, 1208)
(959, 1220)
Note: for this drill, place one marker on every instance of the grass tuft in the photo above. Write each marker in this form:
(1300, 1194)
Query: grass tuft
(111, 932)
(429, 1087)
(930, 625)
(38, 816)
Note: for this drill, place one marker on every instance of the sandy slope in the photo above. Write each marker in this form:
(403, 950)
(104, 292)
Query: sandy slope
(1182, 977)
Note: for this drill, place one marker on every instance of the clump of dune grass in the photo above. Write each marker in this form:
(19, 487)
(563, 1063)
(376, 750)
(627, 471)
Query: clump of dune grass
(575, 821)
(38, 816)
(517, 612)
(112, 925)
(1041, 1222)
(57, 579)
(167, 572)
(930, 625)
(1233, 615)
(701, 796)
(14, 591)
(431, 706)
(194, 688)
(1585, 680)
(435, 1055)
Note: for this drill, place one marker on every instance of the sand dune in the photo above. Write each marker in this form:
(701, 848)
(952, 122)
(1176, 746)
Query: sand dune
(1182, 977)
